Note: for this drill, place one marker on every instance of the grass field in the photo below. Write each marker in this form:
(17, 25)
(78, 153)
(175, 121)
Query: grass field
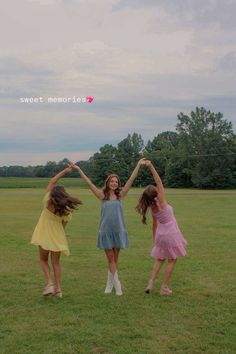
(19, 182)
(199, 318)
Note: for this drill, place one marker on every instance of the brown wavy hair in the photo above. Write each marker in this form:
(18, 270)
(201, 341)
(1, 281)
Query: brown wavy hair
(146, 200)
(62, 202)
(106, 189)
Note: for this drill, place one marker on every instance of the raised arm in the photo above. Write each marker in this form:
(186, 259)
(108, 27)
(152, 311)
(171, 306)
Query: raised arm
(97, 192)
(130, 181)
(160, 187)
(56, 178)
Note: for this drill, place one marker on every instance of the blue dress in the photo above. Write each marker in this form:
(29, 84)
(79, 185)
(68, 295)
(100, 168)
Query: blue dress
(112, 231)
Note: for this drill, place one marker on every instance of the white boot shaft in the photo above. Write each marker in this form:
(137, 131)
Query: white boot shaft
(109, 285)
(117, 284)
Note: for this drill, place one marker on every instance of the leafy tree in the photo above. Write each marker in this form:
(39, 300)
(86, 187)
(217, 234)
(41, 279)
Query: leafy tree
(202, 153)
(206, 140)
(101, 164)
(129, 151)
(160, 151)
(50, 169)
(4, 171)
(167, 140)
(16, 171)
(178, 172)
(130, 148)
(39, 171)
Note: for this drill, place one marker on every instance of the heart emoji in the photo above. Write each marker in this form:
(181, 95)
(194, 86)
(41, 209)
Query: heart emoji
(89, 99)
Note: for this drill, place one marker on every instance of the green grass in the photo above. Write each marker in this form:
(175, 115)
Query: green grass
(198, 318)
(20, 182)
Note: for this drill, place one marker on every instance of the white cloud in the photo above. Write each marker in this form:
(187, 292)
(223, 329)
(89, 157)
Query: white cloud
(144, 62)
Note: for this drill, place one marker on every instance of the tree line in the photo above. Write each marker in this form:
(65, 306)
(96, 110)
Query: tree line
(201, 153)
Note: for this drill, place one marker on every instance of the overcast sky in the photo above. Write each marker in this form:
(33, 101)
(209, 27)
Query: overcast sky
(143, 61)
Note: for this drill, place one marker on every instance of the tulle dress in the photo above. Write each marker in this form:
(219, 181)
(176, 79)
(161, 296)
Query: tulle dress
(112, 231)
(169, 241)
(49, 232)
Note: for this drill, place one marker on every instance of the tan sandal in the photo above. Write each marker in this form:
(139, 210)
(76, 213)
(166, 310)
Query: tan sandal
(149, 287)
(58, 294)
(48, 290)
(165, 291)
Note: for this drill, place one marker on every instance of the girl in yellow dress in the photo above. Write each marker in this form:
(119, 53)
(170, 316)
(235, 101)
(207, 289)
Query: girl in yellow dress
(49, 233)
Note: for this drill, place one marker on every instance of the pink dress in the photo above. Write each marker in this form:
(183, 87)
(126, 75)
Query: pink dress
(169, 241)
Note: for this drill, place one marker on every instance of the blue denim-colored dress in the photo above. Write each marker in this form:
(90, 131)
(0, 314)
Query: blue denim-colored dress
(112, 231)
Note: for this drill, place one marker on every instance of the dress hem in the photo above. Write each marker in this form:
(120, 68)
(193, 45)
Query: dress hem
(65, 251)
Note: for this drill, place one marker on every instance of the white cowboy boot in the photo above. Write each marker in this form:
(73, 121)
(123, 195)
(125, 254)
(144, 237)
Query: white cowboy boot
(117, 284)
(109, 285)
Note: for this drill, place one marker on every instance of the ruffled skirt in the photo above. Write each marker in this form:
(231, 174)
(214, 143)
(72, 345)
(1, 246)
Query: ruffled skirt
(169, 242)
(109, 240)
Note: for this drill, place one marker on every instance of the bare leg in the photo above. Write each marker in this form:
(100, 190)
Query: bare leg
(111, 260)
(116, 253)
(43, 255)
(155, 271)
(55, 258)
(168, 272)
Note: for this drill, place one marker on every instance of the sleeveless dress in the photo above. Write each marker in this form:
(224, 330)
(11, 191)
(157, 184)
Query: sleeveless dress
(49, 232)
(169, 241)
(112, 231)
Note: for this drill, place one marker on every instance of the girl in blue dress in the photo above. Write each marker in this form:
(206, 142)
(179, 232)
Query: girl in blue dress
(112, 234)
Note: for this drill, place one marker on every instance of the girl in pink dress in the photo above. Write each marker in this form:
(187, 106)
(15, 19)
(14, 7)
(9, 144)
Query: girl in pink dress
(168, 241)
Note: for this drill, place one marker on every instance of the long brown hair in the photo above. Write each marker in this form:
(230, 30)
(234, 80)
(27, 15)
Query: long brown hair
(106, 189)
(62, 202)
(146, 200)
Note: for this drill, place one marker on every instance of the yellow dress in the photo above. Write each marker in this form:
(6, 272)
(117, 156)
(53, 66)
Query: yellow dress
(49, 232)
